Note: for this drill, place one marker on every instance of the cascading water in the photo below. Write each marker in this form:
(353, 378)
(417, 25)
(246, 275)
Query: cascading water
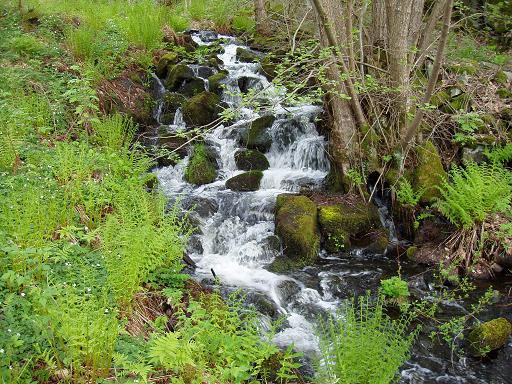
(236, 238)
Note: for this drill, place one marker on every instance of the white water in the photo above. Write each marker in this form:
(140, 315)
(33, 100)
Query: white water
(238, 240)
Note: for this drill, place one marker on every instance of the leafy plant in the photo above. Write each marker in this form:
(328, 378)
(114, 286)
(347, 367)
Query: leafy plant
(469, 123)
(363, 345)
(474, 192)
(394, 287)
(406, 194)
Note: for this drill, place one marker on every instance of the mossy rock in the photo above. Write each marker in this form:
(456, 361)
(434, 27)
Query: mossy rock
(345, 224)
(192, 87)
(463, 68)
(201, 110)
(249, 160)
(440, 98)
(501, 78)
(489, 336)
(504, 93)
(269, 68)
(245, 182)
(169, 59)
(429, 173)
(297, 226)
(246, 55)
(171, 102)
(202, 167)
(216, 81)
(461, 102)
(177, 75)
(257, 136)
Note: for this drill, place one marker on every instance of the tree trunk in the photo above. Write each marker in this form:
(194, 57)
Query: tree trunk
(262, 24)
(344, 140)
(427, 36)
(413, 128)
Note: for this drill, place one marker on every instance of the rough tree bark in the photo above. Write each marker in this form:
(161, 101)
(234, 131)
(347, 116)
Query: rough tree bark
(346, 115)
(262, 22)
(427, 36)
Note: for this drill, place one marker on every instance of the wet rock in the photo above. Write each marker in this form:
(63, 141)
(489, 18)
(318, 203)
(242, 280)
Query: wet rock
(208, 36)
(476, 154)
(347, 223)
(246, 55)
(202, 167)
(204, 71)
(287, 289)
(489, 336)
(268, 68)
(257, 136)
(429, 173)
(192, 87)
(201, 110)
(217, 81)
(178, 74)
(247, 83)
(248, 160)
(297, 226)
(168, 60)
(246, 182)
(202, 206)
(262, 304)
(171, 102)
(194, 245)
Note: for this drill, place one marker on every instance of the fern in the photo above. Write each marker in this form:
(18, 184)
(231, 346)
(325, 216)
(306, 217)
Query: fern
(114, 132)
(475, 192)
(500, 155)
(406, 194)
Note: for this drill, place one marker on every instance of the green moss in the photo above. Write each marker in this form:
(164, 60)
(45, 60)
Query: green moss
(245, 182)
(411, 251)
(201, 168)
(489, 336)
(463, 68)
(269, 68)
(440, 98)
(341, 223)
(429, 173)
(461, 102)
(504, 93)
(216, 81)
(177, 75)
(297, 226)
(201, 109)
(162, 68)
(501, 78)
(249, 160)
(246, 56)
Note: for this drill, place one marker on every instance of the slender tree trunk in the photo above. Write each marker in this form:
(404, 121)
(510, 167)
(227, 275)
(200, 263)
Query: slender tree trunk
(413, 128)
(346, 115)
(415, 26)
(427, 36)
(379, 24)
(262, 24)
(349, 37)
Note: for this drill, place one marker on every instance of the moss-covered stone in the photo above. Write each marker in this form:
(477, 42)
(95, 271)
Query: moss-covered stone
(201, 109)
(501, 78)
(170, 103)
(177, 75)
(462, 102)
(257, 136)
(246, 56)
(489, 336)
(202, 167)
(429, 173)
(192, 87)
(344, 224)
(216, 81)
(245, 182)
(249, 160)
(463, 68)
(269, 68)
(440, 98)
(297, 226)
(504, 93)
(169, 59)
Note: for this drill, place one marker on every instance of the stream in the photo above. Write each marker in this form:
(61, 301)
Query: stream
(237, 241)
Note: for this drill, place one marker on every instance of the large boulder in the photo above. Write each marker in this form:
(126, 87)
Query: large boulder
(258, 136)
(348, 223)
(192, 87)
(216, 81)
(201, 109)
(245, 55)
(167, 60)
(429, 173)
(202, 167)
(178, 75)
(245, 182)
(249, 160)
(489, 336)
(297, 226)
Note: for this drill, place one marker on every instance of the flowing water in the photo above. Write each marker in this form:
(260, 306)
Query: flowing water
(237, 241)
